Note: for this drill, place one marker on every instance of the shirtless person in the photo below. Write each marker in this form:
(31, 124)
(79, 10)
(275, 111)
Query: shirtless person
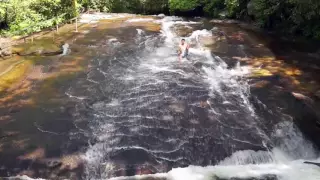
(183, 49)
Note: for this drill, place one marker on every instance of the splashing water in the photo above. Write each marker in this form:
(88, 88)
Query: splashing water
(65, 48)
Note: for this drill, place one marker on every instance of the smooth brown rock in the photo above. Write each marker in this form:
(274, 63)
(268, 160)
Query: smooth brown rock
(40, 47)
(183, 31)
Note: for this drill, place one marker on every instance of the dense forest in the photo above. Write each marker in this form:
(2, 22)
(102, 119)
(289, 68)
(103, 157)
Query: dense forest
(300, 17)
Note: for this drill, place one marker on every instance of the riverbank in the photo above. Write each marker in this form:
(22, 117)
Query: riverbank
(39, 110)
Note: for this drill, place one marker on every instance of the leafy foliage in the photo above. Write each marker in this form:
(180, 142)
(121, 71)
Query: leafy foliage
(213, 8)
(184, 5)
(291, 16)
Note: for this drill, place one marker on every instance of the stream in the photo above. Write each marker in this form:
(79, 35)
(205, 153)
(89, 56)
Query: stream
(150, 116)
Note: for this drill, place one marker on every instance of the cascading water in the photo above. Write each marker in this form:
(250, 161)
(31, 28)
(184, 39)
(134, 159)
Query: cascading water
(156, 115)
(65, 49)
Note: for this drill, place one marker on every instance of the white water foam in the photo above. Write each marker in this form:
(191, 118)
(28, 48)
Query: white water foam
(66, 49)
(292, 171)
(24, 177)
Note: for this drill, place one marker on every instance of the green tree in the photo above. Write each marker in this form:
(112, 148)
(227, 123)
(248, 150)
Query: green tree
(290, 16)
(305, 17)
(75, 11)
(184, 5)
(153, 7)
(213, 8)
(293, 16)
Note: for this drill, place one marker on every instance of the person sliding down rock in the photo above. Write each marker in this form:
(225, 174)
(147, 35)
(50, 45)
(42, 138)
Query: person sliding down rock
(183, 49)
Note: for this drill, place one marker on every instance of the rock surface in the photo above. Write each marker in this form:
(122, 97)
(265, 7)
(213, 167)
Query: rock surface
(182, 30)
(307, 119)
(42, 48)
(303, 110)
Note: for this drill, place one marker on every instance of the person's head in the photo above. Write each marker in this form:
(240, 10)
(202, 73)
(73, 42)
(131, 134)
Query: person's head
(183, 41)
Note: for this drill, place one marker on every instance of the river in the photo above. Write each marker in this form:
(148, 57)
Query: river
(152, 117)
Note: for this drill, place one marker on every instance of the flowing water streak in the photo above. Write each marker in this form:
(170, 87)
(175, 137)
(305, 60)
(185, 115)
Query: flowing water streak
(66, 49)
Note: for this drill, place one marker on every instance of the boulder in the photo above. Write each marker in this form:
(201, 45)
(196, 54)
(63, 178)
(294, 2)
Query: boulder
(38, 48)
(307, 119)
(182, 30)
(207, 40)
(301, 109)
(302, 97)
(216, 36)
(6, 52)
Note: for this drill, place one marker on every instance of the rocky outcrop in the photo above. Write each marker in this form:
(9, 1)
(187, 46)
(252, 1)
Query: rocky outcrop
(38, 48)
(182, 30)
(307, 118)
(40, 52)
(42, 48)
(304, 110)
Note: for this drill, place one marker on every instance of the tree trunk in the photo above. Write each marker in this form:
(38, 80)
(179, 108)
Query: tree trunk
(74, 8)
